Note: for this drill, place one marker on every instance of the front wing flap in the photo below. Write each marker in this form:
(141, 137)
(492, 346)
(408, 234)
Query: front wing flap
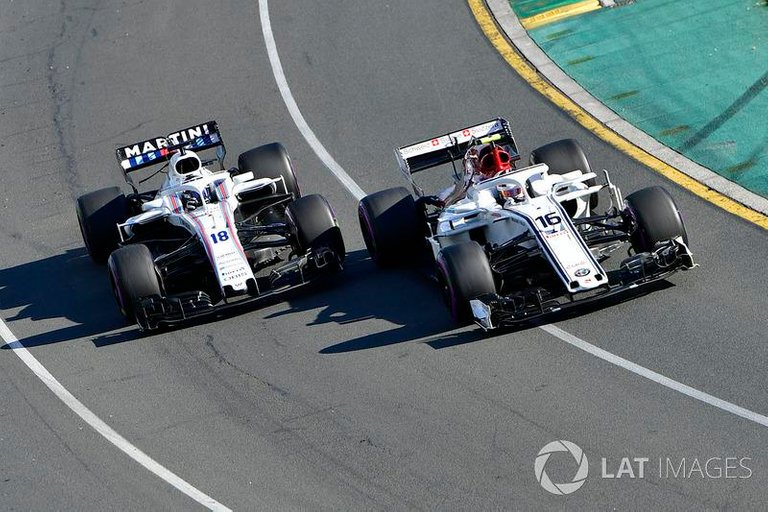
(154, 311)
(491, 311)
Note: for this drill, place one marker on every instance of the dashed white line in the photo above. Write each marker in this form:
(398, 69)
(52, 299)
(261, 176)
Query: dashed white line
(358, 192)
(101, 427)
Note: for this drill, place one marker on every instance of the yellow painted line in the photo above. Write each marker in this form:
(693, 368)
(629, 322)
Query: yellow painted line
(525, 70)
(560, 13)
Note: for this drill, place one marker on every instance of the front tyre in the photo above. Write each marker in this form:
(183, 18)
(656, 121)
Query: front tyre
(98, 214)
(392, 226)
(564, 156)
(270, 161)
(656, 218)
(314, 227)
(133, 276)
(465, 274)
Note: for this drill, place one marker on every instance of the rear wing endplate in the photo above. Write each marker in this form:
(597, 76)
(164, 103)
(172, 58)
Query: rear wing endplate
(452, 146)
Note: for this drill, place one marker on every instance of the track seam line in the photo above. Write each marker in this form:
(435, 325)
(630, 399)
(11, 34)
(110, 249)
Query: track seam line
(557, 332)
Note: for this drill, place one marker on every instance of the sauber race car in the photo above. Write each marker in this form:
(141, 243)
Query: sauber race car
(511, 244)
(209, 237)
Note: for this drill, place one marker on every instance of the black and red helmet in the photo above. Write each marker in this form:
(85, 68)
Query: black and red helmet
(493, 160)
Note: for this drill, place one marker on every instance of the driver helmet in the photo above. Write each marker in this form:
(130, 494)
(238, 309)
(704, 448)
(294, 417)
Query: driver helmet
(511, 191)
(184, 166)
(493, 160)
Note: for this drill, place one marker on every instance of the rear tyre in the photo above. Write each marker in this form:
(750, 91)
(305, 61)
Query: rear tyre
(133, 276)
(313, 225)
(656, 216)
(465, 274)
(392, 226)
(98, 214)
(270, 161)
(563, 156)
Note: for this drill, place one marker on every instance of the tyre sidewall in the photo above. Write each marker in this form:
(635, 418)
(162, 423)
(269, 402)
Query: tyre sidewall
(98, 214)
(132, 275)
(563, 156)
(270, 161)
(465, 275)
(392, 227)
(314, 225)
(656, 216)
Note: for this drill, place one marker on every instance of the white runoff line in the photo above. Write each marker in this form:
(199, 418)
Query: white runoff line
(102, 428)
(572, 340)
(293, 108)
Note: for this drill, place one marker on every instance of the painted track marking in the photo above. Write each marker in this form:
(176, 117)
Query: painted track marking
(101, 427)
(293, 107)
(558, 333)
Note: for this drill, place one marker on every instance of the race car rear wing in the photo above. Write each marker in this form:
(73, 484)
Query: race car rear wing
(159, 149)
(452, 146)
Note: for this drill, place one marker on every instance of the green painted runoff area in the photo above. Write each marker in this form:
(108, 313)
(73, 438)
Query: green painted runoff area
(527, 8)
(692, 74)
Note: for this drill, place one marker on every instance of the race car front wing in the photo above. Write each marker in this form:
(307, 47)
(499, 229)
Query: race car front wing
(155, 310)
(492, 310)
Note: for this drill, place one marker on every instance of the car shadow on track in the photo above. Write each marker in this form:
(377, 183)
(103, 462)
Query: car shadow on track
(405, 297)
(66, 286)
(70, 287)
(411, 300)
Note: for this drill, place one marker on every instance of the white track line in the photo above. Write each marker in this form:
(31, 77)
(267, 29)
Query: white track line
(572, 340)
(102, 428)
(293, 108)
(655, 377)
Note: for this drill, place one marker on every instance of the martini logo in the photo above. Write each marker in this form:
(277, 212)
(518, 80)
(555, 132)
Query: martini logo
(557, 448)
(173, 139)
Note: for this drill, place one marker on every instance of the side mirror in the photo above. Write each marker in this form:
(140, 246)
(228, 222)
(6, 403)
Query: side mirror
(153, 204)
(242, 178)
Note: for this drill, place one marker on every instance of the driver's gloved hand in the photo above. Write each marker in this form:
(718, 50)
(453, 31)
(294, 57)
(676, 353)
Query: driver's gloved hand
(190, 201)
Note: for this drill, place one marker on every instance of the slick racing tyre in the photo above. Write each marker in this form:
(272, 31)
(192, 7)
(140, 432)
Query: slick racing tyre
(465, 274)
(563, 156)
(98, 214)
(270, 161)
(133, 276)
(656, 218)
(392, 227)
(313, 226)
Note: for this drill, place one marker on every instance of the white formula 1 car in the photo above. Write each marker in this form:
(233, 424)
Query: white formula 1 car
(208, 238)
(513, 244)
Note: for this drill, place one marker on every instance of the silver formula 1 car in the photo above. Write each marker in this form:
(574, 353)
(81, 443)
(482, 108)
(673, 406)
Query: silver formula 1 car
(209, 237)
(511, 244)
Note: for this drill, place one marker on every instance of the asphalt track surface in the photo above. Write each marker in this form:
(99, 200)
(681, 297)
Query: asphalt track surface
(361, 394)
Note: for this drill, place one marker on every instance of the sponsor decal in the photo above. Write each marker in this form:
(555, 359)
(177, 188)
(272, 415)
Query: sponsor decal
(152, 145)
(449, 140)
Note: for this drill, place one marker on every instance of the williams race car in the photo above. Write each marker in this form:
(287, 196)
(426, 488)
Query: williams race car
(209, 237)
(511, 244)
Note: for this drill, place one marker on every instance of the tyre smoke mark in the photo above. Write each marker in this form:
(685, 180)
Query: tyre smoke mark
(741, 102)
